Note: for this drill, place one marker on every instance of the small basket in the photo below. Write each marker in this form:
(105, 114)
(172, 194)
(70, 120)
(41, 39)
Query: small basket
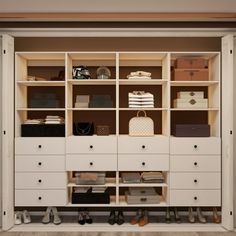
(103, 130)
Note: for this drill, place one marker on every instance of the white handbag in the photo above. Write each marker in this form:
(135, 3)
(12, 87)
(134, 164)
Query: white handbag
(141, 125)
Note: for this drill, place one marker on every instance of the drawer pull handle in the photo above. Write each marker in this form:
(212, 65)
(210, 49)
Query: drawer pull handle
(143, 199)
(40, 146)
(195, 146)
(40, 198)
(91, 146)
(195, 163)
(143, 146)
(91, 163)
(195, 181)
(195, 198)
(143, 163)
(40, 163)
(40, 181)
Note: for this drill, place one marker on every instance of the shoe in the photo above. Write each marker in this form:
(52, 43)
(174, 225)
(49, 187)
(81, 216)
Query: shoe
(216, 217)
(137, 217)
(144, 219)
(167, 215)
(46, 217)
(201, 217)
(87, 217)
(177, 217)
(26, 217)
(120, 218)
(81, 219)
(112, 218)
(191, 217)
(56, 218)
(18, 218)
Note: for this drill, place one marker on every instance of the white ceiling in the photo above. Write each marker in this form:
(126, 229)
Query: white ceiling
(157, 6)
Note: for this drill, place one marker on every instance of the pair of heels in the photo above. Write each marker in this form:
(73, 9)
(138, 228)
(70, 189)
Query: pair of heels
(51, 211)
(200, 216)
(176, 214)
(116, 218)
(216, 217)
(141, 218)
(22, 217)
(84, 217)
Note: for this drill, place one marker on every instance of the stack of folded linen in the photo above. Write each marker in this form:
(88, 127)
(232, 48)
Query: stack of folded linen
(54, 120)
(33, 121)
(131, 177)
(141, 99)
(139, 75)
(153, 177)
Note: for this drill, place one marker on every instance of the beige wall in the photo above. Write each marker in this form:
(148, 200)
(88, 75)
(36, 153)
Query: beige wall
(118, 6)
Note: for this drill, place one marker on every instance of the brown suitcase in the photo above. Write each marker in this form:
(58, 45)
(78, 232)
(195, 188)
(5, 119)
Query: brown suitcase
(191, 63)
(190, 75)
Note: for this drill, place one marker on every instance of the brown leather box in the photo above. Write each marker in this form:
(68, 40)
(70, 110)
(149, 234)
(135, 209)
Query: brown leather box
(190, 75)
(191, 63)
(192, 130)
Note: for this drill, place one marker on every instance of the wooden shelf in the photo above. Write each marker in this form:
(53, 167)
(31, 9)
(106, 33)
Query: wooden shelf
(41, 83)
(194, 109)
(144, 108)
(41, 109)
(110, 182)
(143, 185)
(91, 109)
(193, 83)
(92, 82)
(142, 82)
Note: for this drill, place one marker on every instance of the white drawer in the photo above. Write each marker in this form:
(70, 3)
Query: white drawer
(195, 146)
(40, 197)
(195, 197)
(39, 146)
(39, 163)
(91, 163)
(143, 162)
(195, 180)
(195, 163)
(142, 145)
(40, 180)
(91, 144)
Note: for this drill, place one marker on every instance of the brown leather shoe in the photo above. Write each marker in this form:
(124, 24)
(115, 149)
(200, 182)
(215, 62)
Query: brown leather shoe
(144, 220)
(137, 217)
(216, 217)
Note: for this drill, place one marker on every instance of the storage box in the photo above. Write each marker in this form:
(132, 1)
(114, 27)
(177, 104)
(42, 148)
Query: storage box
(101, 101)
(44, 100)
(190, 75)
(139, 191)
(43, 130)
(100, 180)
(192, 130)
(90, 198)
(190, 94)
(194, 63)
(190, 103)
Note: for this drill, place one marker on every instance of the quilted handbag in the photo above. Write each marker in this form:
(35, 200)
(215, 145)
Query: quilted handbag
(141, 125)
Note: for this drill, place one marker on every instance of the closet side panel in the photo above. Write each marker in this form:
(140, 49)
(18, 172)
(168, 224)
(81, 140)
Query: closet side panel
(0, 135)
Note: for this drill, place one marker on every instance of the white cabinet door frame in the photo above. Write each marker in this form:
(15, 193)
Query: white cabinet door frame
(7, 132)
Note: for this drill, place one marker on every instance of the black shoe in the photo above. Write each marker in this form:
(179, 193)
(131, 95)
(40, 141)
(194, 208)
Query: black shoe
(81, 219)
(112, 218)
(177, 217)
(168, 215)
(87, 217)
(120, 218)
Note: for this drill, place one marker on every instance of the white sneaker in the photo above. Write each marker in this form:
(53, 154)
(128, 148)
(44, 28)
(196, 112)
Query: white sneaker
(26, 217)
(56, 219)
(18, 218)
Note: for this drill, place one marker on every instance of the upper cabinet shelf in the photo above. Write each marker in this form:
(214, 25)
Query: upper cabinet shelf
(41, 83)
(92, 82)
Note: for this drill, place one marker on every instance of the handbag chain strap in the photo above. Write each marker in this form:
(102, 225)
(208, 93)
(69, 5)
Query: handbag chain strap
(86, 130)
(145, 114)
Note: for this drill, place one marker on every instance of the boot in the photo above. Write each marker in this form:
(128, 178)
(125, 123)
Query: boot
(191, 217)
(177, 217)
(168, 215)
(201, 217)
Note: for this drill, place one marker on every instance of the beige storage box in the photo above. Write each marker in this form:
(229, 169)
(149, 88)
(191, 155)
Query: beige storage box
(190, 103)
(190, 75)
(190, 94)
(193, 63)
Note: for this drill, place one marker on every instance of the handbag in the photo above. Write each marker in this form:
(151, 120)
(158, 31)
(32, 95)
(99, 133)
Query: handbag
(141, 125)
(103, 130)
(83, 128)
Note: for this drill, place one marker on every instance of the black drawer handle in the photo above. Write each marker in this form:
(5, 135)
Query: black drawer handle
(40, 146)
(195, 181)
(91, 163)
(91, 146)
(143, 163)
(195, 198)
(40, 181)
(40, 198)
(143, 146)
(195, 146)
(143, 199)
(40, 163)
(195, 163)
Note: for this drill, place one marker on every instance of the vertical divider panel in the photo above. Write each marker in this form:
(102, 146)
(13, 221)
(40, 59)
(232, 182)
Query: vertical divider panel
(117, 123)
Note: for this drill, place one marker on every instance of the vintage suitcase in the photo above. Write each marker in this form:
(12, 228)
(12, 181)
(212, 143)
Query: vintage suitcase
(191, 103)
(43, 130)
(193, 63)
(190, 75)
(192, 130)
(190, 94)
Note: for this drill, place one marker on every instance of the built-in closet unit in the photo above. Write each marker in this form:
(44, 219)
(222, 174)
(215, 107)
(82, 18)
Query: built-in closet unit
(197, 171)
